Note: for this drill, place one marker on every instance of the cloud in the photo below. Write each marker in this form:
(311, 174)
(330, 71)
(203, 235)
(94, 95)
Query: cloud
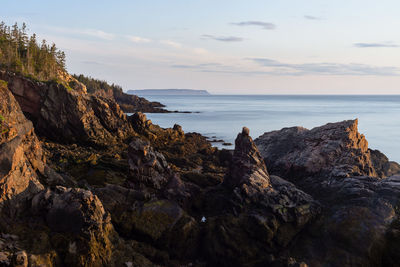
(197, 66)
(312, 17)
(137, 39)
(171, 43)
(352, 69)
(264, 25)
(277, 68)
(368, 45)
(200, 51)
(222, 38)
(88, 62)
(219, 68)
(96, 33)
(88, 32)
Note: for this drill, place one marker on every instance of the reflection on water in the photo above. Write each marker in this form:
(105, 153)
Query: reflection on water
(224, 116)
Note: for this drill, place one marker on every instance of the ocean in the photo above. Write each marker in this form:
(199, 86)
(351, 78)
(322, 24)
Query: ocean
(223, 116)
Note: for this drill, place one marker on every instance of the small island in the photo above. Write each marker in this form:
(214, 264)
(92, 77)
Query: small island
(149, 92)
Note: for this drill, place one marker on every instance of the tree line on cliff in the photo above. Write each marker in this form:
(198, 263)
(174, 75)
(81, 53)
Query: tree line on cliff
(93, 85)
(22, 53)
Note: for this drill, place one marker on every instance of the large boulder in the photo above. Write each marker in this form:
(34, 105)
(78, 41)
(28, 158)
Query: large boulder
(359, 226)
(147, 167)
(81, 230)
(332, 150)
(150, 172)
(359, 222)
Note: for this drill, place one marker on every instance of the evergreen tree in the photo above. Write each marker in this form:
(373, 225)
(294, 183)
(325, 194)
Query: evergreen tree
(22, 53)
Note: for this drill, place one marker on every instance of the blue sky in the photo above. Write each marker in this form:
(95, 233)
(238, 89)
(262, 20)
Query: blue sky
(235, 46)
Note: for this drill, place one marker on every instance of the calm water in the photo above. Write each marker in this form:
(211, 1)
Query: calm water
(224, 116)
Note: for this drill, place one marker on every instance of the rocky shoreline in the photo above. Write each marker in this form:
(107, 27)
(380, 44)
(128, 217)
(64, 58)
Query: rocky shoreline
(82, 184)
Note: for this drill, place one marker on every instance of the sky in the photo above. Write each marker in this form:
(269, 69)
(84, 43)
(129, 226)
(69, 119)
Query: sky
(225, 46)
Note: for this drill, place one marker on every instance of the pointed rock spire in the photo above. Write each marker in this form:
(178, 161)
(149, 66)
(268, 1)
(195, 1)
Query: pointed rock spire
(247, 167)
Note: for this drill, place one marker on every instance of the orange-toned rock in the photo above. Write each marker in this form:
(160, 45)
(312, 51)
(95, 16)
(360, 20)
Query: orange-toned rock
(21, 157)
(68, 115)
(332, 150)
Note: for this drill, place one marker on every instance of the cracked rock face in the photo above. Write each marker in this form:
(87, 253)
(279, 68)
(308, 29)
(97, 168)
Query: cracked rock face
(79, 215)
(255, 214)
(21, 157)
(333, 164)
(332, 150)
(247, 168)
(69, 115)
(147, 167)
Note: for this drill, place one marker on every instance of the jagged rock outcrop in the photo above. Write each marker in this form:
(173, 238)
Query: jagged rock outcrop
(190, 154)
(148, 167)
(128, 102)
(81, 230)
(253, 216)
(359, 226)
(21, 157)
(247, 169)
(176, 201)
(66, 115)
(382, 165)
(332, 163)
(132, 103)
(150, 172)
(79, 217)
(332, 150)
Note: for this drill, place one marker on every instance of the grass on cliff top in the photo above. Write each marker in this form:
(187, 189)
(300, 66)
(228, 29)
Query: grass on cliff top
(3, 83)
(63, 83)
(4, 129)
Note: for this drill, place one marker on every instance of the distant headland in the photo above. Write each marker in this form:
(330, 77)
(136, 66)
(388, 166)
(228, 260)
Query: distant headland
(147, 92)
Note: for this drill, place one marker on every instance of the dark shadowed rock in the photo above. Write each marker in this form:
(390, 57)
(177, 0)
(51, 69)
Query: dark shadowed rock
(247, 168)
(79, 216)
(382, 165)
(253, 215)
(150, 172)
(334, 165)
(359, 216)
(147, 167)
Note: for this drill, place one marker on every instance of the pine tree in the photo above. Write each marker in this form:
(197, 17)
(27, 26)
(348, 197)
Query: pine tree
(21, 53)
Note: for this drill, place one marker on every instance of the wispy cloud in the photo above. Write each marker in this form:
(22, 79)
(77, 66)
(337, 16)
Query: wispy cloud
(313, 17)
(88, 32)
(137, 39)
(352, 69)
(222, 38)
(171, 43)
(369, 45)
(98, 33)
(197, 66)
(219, 69)
(262, 24)
(89, 62)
